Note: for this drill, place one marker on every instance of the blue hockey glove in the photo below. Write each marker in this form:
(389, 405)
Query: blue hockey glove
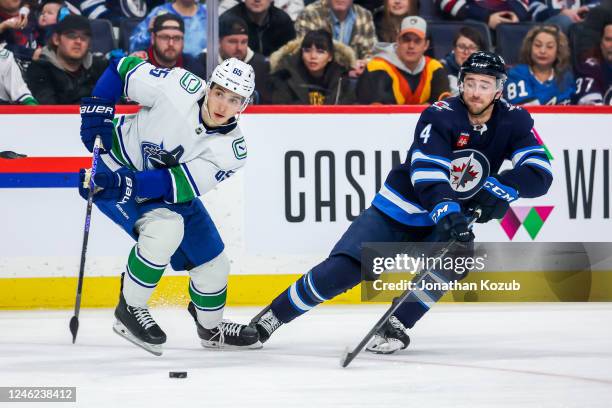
(493, 199)
(450, 223)
(119, 185)
(97, 119)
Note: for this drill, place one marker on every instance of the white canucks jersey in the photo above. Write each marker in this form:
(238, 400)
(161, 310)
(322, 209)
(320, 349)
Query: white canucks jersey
(168, 132)
(12, 86)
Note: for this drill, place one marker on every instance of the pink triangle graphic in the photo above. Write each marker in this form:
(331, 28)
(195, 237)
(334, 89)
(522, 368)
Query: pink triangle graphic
(537, 136)
(544, 211)
(521, 212)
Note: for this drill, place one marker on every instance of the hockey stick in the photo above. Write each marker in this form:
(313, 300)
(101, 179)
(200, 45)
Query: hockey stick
(74, 321)
(347, 357)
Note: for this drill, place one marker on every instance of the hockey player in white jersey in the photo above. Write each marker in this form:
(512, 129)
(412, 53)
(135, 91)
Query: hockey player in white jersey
(184, 141)
(13, 88)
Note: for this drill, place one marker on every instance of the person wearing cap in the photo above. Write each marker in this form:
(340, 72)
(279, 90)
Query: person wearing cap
(195, 17)
(269, 27)
(66, 70)
(349, 24)
(234, 43)
(401, 74)
(167, 42)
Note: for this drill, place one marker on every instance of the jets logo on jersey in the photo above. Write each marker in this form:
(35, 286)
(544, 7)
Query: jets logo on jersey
(469, 170)
(441, 105)
(155, 157)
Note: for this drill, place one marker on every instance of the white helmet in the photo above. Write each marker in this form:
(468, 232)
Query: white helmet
(235, 75)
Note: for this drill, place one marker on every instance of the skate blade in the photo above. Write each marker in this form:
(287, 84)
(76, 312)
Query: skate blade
(215, 345)
(121, 330)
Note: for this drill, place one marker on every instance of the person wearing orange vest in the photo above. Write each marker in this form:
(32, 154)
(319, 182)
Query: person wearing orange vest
(401, 74)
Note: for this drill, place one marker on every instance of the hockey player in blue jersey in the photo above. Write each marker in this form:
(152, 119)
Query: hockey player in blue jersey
(426, 198)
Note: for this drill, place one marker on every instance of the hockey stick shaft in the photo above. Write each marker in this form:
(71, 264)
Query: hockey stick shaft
(74, 321)
(350, 356)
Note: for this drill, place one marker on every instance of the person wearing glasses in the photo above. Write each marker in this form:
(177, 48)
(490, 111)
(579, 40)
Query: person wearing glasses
(194, 15)
(66, 70)
(401, 74)
(543, 77)
(466, 42)
(167, 45)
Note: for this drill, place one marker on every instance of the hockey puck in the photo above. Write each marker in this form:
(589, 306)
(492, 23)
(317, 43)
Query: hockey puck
(178, 374)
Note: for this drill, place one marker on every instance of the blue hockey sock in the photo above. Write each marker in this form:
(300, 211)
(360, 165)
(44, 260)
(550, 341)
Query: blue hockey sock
(333, 276)
(420, 300)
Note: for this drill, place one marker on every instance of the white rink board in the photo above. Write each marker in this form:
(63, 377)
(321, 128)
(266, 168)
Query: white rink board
(42, 228)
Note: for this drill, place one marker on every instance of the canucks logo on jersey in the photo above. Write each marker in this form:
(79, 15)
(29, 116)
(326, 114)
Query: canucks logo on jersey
(469, 170)
(155, 157)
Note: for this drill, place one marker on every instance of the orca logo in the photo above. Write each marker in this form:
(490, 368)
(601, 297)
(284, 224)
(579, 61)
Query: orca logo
(155, 157)
(469, 171)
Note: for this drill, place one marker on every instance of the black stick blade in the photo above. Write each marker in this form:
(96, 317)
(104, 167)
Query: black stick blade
(74, 327)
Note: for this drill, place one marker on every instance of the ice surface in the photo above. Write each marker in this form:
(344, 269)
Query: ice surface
(471, 355)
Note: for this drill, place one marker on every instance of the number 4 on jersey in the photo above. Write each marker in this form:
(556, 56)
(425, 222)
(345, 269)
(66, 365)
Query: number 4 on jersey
(425, 133)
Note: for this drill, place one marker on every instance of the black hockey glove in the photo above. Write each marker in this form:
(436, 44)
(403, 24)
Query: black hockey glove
(493, 199)
(450, 223)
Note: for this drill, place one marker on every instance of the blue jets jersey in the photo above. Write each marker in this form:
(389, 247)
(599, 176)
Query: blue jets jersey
(523, 88)
(450, 160)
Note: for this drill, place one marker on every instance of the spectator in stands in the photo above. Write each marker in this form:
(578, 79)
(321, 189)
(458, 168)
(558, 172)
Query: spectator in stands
(234, 43)
(269, 27)
(47, 19)
(312, 71)
(293, 8)
(13, 88)
(113, 10)
(562, 13)
(388, 18)
(66, 70)
(401, 74)
(194, 15)
(466, 42)
(18, 31)
(544, 76)
(166, 49)
(594, 73)
(349, 23)
(491, 12)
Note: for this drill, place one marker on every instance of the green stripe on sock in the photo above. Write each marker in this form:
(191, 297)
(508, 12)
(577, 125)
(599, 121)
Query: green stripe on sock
(182, 187)
(142, 271)
(208, 301)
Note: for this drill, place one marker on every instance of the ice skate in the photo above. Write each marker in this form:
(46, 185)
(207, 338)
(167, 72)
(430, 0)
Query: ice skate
(136, 325)
(227, 335)
(391, 338)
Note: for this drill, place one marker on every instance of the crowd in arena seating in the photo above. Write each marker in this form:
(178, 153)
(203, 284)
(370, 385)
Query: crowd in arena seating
(315, 52)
